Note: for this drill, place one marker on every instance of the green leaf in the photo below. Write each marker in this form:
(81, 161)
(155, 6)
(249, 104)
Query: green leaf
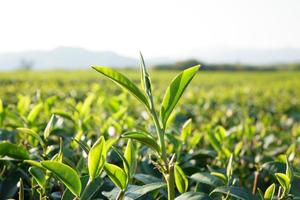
(34, 163)
(206, 178)
(1, 106)
(91, 188)
(124, 82)
(116, 175)
(21, 190)
(13, 150)
(220, 176)
(65, 174)
(130, 156)
(38, 175)
(32, 134)
(96, 158)
(186, 130)
(284, 181)
(49, 126)
(181, 181)
(193, 196)
(145, 178)
(229, 169)
(83, 146)
(145, 78)
(34, 112)
(144, 138)
(59, 156)
(289, 169)
(236, 192)
(269, 193)
(138, 191)
(175, 91)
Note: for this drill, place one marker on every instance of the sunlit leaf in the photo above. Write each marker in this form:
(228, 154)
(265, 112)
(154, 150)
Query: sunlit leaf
(175, 91)
(181, 180)
(124, 82)
(116, 175)
(65, 174)
(13, 150)
(96, 157)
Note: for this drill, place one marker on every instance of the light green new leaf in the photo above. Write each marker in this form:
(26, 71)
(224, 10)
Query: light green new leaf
(1, 106)
(145, 78)
(181, 180)
(34, 112)
(13, 150)
(96, 158)
(175, 91)
(229, 169)
(38, 175)
(284, 181)
(124, 82)
(186, 130)
(289, 169)
(65, 174)
(116, 175)
(144, 138)
(269, 193)
(34, 163)
(130, 156)
(32, 134)
(49, 126)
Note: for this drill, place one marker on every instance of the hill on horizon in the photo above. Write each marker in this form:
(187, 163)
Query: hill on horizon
(79, 58)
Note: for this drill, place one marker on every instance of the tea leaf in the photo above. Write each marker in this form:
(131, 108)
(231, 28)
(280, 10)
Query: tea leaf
(116, 175)
(143, 138)
(270, 192)
(181, 181)
(13, 150)
(96, 158)
(175, 91)
(124, 82)
(65, 174)
(38, 176)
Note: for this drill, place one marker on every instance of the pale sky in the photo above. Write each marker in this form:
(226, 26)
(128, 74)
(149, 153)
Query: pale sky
(156, 27)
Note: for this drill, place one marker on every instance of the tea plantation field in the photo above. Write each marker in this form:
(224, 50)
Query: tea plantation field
(78, 135)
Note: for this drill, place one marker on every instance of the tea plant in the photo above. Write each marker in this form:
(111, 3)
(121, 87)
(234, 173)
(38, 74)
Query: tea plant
(76, 136)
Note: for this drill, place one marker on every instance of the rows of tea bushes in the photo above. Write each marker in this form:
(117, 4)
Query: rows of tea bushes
(102, 134)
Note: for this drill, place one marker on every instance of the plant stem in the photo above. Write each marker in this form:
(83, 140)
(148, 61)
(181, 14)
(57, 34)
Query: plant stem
(120, 195)
(170, 182)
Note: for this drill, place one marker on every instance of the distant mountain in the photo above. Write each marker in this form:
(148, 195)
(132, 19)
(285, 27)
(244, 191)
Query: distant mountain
(64, 58)
(78, 58)
(247, 56)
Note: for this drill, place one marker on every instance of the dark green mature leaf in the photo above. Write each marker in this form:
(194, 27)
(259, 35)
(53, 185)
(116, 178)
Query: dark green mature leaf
(193, 196)
(236, 192)
(96, 158)
(124, 82)
(144, 138)
(13, 150)
(38, 175)
(65, 174)
(206, 178)
(269, 193)
(116, 175)
(91, 188)
(136, 192)
(181, 181)
(145, 178)
(175, 91)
